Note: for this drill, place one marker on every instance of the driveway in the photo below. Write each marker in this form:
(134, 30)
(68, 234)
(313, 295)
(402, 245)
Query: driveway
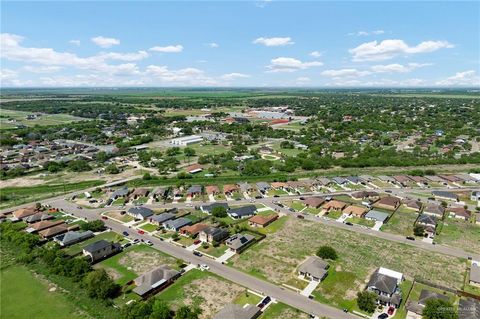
(377, 226)
(310, 288)
(226, 256)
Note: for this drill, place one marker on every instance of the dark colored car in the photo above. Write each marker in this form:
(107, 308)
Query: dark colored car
(104, 217)
(349, 224)
(300, 216)
(410, 238)
(198, 254)
(125, 233)
(391, 310)
(198, 241)
(382, 316)
(266, 300)
(388, 191)
(302, 198)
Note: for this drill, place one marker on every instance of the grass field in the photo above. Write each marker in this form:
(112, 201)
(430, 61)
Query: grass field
(401, 222)
(277, 257)
(282, 311)
(461, 234)
(43, 120)
(24, 295)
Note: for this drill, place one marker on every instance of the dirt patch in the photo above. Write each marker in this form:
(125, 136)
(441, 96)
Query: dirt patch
(142, 261)
(114, 274)
(210, 294)
(289, 313)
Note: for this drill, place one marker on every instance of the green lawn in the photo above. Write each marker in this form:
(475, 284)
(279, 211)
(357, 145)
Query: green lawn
(247, 298)
(401, 222)
(334, 214)
(401, 313)
(26, 296)
(361, 221)
(43, 120)
(282, 311)
(214, 251)
(149, 227)
(273, 227)
(77, 248)
(297, 205)
(279, 192)
(459, 233)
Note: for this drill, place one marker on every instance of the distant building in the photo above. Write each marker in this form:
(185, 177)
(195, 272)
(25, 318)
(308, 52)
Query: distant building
(186, 140)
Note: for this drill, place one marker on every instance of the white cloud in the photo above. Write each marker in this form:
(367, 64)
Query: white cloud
(42, 69)
(105, 42)
(274, 42)
(387, 49)
(315, 54)
(186, 76)
(262, 3)
(283, 64)
(168, 49)
(398, 68)
(345, 73)
(466, 78)
(377, 83)
(367, 33)
(212, 44)
(234, 76)
(135, 56)
(74, 42)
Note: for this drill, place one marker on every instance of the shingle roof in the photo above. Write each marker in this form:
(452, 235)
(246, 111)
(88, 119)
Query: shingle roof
(383, 283)
(426, 295)
(73, 236)
(445, 194)
(234, 311)
(177, 223)
(153, 279)
(376, 215)
(142, 211)
(427, 219)
(262, 220)
(314, 266)
(162, 217)
(209, 208)
(242, 211)
(469, 309)
(239, 240)
(313, 201)
(475, 273)
(96, 246)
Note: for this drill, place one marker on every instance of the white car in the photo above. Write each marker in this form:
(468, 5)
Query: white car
(204, 267)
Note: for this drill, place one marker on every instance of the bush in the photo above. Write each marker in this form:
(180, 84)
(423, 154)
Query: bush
(327, 252)
(99, 285)
(95, 226)
(367, 301)
(219, 211)
(439, 309)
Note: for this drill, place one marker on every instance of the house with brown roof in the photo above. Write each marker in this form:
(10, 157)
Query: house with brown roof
(24, 212)
(56, 230)
(138, 192)
(195, 168)
(402, 179)
(44, 224)
(434, 210)
(334, 205)
(192, 230)
(262, 221)
(313, 202)
(278, 185)
(413, 204)
(450, 178)
(364, 195)
(228, 189)
(356, 211)
(212, 190)
(388, 202)
(459, 212)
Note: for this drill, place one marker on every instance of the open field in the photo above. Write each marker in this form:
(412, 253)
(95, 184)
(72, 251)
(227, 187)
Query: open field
(459, 233)
(277, 257)
(44, 119)
(401, 222)
(282, 311)
(25, 295)
(202, 289)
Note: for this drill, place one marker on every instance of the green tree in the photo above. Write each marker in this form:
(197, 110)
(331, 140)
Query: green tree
(99, 285)
(94, 225)
(418, 230)
(219, 211)
(112, 169)
(147, 176)
(186, 312)
(189, 152)
(327, 252)
(367, 301)
(439, 309)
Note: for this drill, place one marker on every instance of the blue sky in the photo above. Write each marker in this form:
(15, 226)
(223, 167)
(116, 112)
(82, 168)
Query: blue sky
(262, 43)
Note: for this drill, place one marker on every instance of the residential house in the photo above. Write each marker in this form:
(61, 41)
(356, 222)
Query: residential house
(402, 179)
(38, 217)
(195, 168)
(451, 178)
(138, 193)
(356, 211)
(314, 202)
(244, 188)
(160, 193)
(419, 179)
(194, 190)
(459, 212)
(435, 179)
(354, 180)
(234, 311)
(474, 277)
(24, 212)
(388, 202)
(340, 180)
(119, 193)
(429, 222)
(72, 237)
(101, 249)
(445, 195)
(239, 242)
(413, 204)
(212, 234)
(155, 280)
(263, 187)
(386, 179)
(314, 268)
(377, 216)
(242, 212)
(469, 308)
(192, 230)
(161, 218)
(209, 208)
(212, 190)
(262, 221)
(426, 295)
(295, 185)
(434, 210)
(140, 212)
(56, 230)
(279, 185)
(385, 284)
(334, 205)
(229, 189)
(176, 224)
(365, 195)
(44, 224)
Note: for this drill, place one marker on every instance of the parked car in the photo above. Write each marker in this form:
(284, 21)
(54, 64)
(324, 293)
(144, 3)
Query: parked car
(266, 300)
(197, 253)
(204, 267)
(149, 243)
(302, 198)
(388, 191)
(136, 241)
(125, 233)
(300, 216)
(382, 316)
(349, 224)
(410, 238)
(276, 196)
(126, 245)
(391, 310)
(104, 217)
(196, 242)
(141, 232)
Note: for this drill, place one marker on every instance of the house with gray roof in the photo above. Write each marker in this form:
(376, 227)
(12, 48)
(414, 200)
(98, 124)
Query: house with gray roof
(234, 311)
(155, 280)
(323, 181)
(208, 208)
(38, 217)
(194, 190)
(445, 195)
(469, 308)
(354, 179)
(377, 216)
(212, 234)
(387, 179)
(434, 210)
(246, 188)
(239, 242)
(140, 212)
(386, 287)
(263, 187)
(121, 192)
(161, 218)
(340, 180)
(474, 277)
(72, 237)
(242, 212)
(101, 249)
(427, 220)
(313, 268)
(426, 295)
(176, 224)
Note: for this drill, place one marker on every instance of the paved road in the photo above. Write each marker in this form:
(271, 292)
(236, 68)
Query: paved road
(281, 294)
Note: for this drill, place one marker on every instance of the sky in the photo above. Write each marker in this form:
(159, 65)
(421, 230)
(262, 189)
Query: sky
(240, 44)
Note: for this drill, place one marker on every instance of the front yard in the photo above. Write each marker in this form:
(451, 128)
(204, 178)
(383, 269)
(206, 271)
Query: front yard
(116, 214)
